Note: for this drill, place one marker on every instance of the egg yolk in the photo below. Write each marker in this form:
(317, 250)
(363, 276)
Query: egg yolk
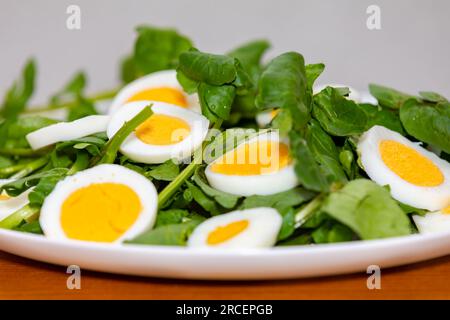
(4, 197)
(160, 129)
(410, 165)
(100, 212)
(446, 210)
(163, 94)
(261, 157)
(274, 113)
(224, 233)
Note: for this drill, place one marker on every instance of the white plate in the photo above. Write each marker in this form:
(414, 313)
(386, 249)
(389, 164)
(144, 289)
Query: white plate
(276, 263)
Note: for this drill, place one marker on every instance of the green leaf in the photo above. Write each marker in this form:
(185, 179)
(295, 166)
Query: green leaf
(128, 70)
(164, 172)
(368, 210)
(331, 232)
(283, 84)
(288, 224)
(337, 115)
(158, 49)
(210, 68)
(18, 95)
(30, 227)
(208, 204)
(388, 97)
(226, 200)
(432, 96)
(176, 216)
(82, 108)
(377, 115)
(167, 235)
(44, 188)
(189, 86)
(72, 89)
(427, 122)
(250, 54)
(216, 101)
(313, 71)
(279, 201)
(17, 129)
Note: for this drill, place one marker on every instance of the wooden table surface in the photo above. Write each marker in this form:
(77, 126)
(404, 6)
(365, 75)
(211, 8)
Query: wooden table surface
(26, 279)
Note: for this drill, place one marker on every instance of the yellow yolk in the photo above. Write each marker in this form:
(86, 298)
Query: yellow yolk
(446, 210)
(274, 112)
(4, 197)
(222, 234)
(100, 212)
(410, 165)
(261, 157)
(162, 130)
(163, 94)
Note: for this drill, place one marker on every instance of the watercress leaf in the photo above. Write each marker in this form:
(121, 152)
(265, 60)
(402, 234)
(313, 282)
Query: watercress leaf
(226, 200)
(18, 95)
(14, 136)
(432, 96)
(337, 115)
(427, 122)
(210, 68)
(82, 108)
(283, 121)
(30, 227)
(313, 71)
(250, 54)
(368, 210)
(388, 97)
(44, 187)
(158, 49)
(189, 86)
(72, 89)
(297, 240)
(377, 115)
(279, 201)
(128, 70)
(288, 224)
(243, 82)
(5, 162)
(208, 204)
(216, 100)
(283, 84)
(331, 232)
(167, 235)
(165, 172)
(175, 216)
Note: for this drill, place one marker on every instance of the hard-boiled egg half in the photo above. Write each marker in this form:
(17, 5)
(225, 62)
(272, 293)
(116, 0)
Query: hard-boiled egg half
(434, 221)
(9, 205)
(416, 176)
(251, 228)
(170, 132)
(64, 131)
(160, 86)
(258, 166)
(107, 203)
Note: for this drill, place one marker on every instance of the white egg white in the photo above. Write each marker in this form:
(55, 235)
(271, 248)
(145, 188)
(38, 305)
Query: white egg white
(12, 204)
(64, 131)
(354, 94)
(264, 118)
(429, 198)
(140, 151)
(106, 173)
(432, 222)
(166, 78)
(262, 184)
(262, 231)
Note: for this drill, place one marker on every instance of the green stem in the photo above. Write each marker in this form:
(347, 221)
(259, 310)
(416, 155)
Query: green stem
(109, 94)
(23, 169)
(110, 150)
(81, 163)
(23, 152)
(175, 184)
(26, 213)
(306, 211)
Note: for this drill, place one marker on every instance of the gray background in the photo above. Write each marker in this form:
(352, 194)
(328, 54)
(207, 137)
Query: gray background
(411, 52)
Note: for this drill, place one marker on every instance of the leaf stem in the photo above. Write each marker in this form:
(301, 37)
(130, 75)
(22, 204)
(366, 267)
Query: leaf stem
(175, 184)
(306, 211)
(26, 213)
(109, 152)
(23, 152)
(108, 94)
(23, 169)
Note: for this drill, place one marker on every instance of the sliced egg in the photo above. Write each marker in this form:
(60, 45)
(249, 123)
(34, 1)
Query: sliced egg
(259, 166)
(416, 176)
(107, 203)
(64, 131)
(263, 119)
(169, 133)
(9, 205)
(160, 86)
(251, 228)
(437, 221)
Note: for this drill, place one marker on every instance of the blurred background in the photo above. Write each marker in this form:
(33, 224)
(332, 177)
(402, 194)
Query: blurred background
(410, 52)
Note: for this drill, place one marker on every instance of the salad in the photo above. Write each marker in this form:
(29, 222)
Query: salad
(222, 151)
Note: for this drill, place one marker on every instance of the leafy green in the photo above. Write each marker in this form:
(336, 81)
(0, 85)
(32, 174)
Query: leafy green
(44, 187)
(207, 203)
(377, 115)
(158, 49)
(216, 101)
(30, 227)
(166, 171)
(283, 84)
(18, 95)
(72, 89)
(337, 115)
(331, 232)
(14, 135)
(313, 71)
(249, 55)
(226, 200)
(167, 235)
(128, 70)
(368, 210)
(427, 122)
(279, 201)
(432, 96)
(175, 216)
(388, 97)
